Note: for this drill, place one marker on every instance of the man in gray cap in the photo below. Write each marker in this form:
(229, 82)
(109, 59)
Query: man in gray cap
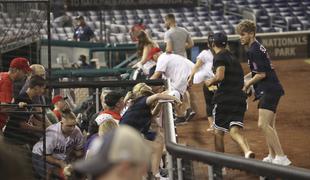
(119, 155)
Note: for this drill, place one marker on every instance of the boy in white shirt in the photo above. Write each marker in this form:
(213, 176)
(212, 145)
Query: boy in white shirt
(178, 69)
(203, 71)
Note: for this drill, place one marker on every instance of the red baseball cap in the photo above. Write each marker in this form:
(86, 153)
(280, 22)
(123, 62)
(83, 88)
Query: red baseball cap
(152, 52)
(20, 63)
(57, 99)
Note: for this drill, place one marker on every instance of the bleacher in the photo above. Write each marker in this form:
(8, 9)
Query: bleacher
(209, 16)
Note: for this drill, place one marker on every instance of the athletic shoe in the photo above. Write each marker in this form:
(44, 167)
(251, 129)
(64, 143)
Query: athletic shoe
(163, 172)
(179, 120)
(249, 154)
(268, 159)
(281, 160)
(189, 115)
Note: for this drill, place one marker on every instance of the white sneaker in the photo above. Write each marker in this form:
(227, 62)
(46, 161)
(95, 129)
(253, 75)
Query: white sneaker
(268, 159)
(249, 154)
(281, 160)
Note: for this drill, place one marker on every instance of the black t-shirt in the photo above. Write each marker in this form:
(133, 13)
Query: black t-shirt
(232, 83)
(138, 115)
(259, 61)
(13, 131)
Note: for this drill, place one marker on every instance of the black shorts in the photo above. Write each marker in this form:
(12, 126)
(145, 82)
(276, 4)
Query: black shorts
(208, 98)
(228, 114)
(269, 101)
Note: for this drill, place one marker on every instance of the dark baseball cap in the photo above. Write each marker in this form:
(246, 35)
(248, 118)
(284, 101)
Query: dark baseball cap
(20, 63)
(219, 38)
(121, 144)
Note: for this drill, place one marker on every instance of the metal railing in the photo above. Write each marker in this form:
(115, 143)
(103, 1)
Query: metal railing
(217, 160)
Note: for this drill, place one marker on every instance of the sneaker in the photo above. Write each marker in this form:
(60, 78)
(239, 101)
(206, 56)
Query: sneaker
(281, 160)
(189, 115)
(249, 154)
(163, 172)
(180, 120)
(268, 159)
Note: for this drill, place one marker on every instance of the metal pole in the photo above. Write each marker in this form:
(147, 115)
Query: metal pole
(170, 166)
(210, 172)
(180, 169)
(49, 76)
(97, 100)
(100, 18)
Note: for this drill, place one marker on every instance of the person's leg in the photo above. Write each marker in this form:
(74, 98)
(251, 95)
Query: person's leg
(273, 125)
(241, 140)
(219, 140)
(265, 119)
(157, 150)
(210, 120)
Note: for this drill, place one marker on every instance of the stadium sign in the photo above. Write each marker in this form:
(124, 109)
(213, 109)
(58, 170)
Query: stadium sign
(289, 46)
(126, 4)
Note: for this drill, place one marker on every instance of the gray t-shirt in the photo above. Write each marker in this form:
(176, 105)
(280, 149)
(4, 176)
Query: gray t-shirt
(178, 37)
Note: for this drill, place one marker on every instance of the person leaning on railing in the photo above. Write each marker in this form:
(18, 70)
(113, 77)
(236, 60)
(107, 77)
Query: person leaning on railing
(23, 128)
(139, 115)
(19, 68)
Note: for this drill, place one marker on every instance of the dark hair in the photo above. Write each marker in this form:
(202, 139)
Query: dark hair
(82, 57)
(37, 81)
(112, 98)
(143, 40)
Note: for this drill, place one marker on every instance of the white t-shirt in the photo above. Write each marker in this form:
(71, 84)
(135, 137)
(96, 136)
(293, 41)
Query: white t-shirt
(177, 68)
(103, 117)
(205, 71)
(57, 144)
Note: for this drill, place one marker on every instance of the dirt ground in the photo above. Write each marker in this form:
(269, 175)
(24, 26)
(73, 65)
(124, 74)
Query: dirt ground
(293, 123)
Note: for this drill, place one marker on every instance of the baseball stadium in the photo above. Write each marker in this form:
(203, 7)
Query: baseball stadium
(154, 90)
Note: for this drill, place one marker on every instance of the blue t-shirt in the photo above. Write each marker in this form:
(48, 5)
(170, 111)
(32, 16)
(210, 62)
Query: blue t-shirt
(259, 61)
(138, 116)
(83, 33)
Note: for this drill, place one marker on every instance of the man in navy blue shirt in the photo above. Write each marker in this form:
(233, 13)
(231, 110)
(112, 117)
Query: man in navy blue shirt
(267, 89)
(83, 32)
(229, 100)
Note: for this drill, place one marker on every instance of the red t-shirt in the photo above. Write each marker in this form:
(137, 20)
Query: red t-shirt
(6, 95)
(57, 114)
(115, 115)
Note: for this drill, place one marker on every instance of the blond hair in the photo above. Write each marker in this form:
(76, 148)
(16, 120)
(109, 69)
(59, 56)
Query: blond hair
(247, 26)
(141, 89)
(106, 126)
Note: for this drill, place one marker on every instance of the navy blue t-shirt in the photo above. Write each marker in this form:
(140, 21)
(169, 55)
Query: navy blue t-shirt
(259, 61)
(83, 33)
(138, 115)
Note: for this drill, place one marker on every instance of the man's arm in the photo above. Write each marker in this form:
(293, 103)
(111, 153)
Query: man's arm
(258, 76)
(169, 47)
(25, 126)
(161, 96)
(58, 162)
(198, 64)
(219, 76)
(156, 75)
(189, 43)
